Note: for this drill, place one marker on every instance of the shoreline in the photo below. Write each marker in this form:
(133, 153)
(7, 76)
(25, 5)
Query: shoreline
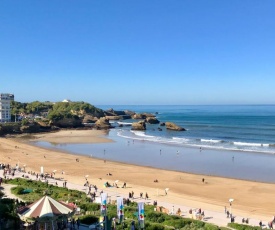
(185, 188)
(211, 162)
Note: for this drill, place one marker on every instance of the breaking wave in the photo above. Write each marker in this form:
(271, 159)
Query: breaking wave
(199, 143)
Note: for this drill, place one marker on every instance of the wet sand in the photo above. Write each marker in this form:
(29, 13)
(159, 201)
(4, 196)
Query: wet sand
(251, 199)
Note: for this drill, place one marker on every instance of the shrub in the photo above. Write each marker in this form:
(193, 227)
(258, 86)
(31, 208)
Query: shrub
(153, 226)
(157, 217)
(243, 226)
(88, 219)
(208, 226)
(18, 190)
(90, 206)
(1, 194)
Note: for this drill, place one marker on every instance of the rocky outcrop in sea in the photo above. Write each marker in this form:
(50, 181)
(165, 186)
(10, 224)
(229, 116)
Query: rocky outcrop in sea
(173, 126)
(140, 125)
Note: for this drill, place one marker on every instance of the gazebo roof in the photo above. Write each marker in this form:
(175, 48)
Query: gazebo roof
(45, 207)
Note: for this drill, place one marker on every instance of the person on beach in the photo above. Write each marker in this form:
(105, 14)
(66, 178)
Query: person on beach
(133, 225)
(73, 223)
(270, 224)
(141, 195)
(260, 224)
(114, 224)
(202, 214)
(146, 196)
(130, 195)
(179, 212)
(78, 223)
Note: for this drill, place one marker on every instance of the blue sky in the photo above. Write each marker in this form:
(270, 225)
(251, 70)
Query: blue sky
(138, 52)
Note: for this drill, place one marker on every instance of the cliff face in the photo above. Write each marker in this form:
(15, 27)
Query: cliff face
(18, 128)
(67, 123)
(9, 128)
(31, 128)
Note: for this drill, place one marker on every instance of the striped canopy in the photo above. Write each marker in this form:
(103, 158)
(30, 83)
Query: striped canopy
(45, 207)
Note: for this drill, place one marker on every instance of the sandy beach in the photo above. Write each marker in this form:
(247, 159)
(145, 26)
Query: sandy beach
(251, 199)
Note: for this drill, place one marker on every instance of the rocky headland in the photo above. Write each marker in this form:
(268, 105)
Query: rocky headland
(75, 115)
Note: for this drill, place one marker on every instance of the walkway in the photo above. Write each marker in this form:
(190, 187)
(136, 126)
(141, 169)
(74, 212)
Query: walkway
(214, 217)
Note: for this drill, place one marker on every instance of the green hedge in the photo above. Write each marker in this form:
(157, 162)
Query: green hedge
(243, 226)
(90, 206)
(18, 190)
(88, 219)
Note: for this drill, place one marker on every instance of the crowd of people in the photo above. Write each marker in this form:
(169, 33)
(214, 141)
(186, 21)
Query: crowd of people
(93, 193)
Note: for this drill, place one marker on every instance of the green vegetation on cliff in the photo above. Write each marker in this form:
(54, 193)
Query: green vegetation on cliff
(61, 110)
(32, 107)
(56, 111)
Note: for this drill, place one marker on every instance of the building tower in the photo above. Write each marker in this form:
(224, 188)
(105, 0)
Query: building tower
(5, 108)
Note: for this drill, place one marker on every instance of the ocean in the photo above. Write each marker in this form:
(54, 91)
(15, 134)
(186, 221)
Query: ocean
(228, 141)
(242, 127)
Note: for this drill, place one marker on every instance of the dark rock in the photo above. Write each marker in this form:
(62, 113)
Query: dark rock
(67, 123)
(138, 116)
(43, 124)
(159, 129)
(125, 117)
(162, 124)
(31, 128)
(128, 112)
(89, 119)
(152, 120)
(148, 115)
(113, 117)
(172, 126)
(112, 112)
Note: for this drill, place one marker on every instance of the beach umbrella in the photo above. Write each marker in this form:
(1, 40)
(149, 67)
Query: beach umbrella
(54, 170)
(167, 189)
(116, 181)
(231, 200)
(86, 176)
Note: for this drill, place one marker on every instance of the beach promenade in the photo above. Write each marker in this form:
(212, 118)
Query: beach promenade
(214, 217)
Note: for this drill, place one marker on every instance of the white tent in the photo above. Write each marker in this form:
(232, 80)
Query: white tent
(45, 207)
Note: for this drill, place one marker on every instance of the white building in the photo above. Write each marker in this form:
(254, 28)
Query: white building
(66, 100)
(5, 108)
